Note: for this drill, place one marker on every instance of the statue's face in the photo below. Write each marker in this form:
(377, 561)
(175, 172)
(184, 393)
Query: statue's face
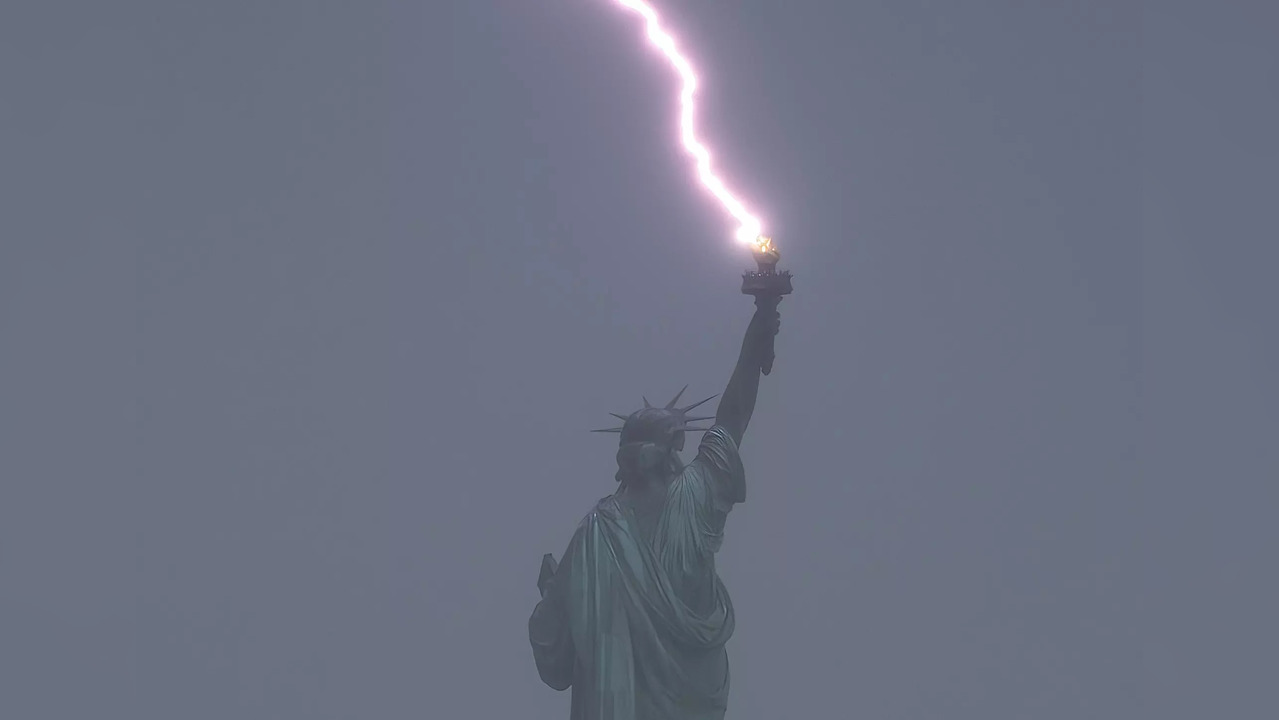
(678, 443)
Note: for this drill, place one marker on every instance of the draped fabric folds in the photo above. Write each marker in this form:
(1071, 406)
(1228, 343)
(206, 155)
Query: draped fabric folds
(637, 627)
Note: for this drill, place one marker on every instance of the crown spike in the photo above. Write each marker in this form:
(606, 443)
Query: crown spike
(610, 430)
(646, 405)
(699, 402)
(671, 405)
(623, 418)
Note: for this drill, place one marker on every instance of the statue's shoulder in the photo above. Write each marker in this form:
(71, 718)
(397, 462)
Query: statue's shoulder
(607, 507)
(718, 468)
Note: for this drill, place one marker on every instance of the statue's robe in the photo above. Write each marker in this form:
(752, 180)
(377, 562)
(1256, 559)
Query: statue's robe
(637, 626)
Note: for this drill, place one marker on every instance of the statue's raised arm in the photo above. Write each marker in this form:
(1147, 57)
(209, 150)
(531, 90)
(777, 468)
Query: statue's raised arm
(768, 286)
(738, 401)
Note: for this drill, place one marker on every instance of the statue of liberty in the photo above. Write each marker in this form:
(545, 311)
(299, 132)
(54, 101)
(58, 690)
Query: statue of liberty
(634, 618)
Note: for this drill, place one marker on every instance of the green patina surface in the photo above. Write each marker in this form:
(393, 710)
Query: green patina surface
(634, 619)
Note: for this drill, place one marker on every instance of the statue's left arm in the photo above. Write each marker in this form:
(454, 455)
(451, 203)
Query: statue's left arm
(738, 402)
(548, 627)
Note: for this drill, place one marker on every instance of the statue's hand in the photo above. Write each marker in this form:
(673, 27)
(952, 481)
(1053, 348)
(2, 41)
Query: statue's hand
(770, 320)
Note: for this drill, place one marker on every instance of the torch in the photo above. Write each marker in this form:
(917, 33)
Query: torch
(767, 284)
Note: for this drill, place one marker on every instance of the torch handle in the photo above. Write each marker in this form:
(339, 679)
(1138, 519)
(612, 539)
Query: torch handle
(768, 304)
(768, 286)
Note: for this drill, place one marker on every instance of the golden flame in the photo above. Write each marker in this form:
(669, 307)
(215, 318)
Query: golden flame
(763, 244)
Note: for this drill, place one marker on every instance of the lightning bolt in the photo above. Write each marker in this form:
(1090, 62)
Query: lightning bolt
(749, 226)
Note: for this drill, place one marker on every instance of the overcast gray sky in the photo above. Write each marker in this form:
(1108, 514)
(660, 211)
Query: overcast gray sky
(305, 308)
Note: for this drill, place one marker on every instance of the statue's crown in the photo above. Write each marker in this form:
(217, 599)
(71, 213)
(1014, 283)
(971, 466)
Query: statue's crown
(654, 424)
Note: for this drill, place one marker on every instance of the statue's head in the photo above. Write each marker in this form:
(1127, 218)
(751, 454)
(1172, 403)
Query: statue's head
(652, 437)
